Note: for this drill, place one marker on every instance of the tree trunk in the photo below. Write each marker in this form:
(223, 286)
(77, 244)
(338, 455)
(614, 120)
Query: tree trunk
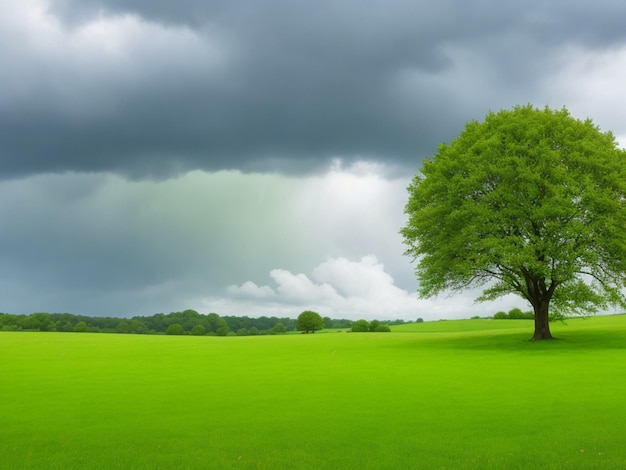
(542, 325)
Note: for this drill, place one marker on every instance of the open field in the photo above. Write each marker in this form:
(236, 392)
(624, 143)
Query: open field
(470, 394)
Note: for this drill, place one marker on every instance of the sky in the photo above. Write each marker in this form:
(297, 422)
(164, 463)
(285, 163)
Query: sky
(252, 158)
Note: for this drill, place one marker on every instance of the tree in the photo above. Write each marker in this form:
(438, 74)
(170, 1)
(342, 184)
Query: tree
(198, 330)
(42, 321)
(279, 328)
(175, 329)
(222, 328)
(360, 326)
(138, 327)
(530, 202)
(373, 325)
(123, 326)
(309, 321)
(64, 326)
(516, 314)
(213, 319)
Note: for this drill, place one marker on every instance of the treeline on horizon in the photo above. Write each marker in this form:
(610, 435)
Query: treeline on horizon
(185, 322)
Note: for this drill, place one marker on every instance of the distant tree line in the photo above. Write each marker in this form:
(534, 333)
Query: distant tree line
(517, 314)
(514, 314)
(374, 326)
(190, 322)
(187, 322)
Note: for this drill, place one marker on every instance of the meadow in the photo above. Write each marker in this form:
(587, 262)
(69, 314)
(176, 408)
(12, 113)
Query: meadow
(470, 394)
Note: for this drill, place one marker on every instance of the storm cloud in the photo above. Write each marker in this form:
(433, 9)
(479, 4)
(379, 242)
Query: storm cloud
(101, 244)
(155, 89)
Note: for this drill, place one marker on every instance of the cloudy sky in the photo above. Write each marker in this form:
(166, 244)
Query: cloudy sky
(251, 157)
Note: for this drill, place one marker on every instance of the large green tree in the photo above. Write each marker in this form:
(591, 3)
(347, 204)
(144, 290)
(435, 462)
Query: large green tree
(530, 202)
(309, 321)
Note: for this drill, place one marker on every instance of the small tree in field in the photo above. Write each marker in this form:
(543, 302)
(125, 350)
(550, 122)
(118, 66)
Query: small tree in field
(309, 321)
(530, 202)
(360, 326)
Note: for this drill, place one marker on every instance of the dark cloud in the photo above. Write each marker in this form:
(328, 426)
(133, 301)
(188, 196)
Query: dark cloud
(193, 13)
(281, 85)
(98, 243)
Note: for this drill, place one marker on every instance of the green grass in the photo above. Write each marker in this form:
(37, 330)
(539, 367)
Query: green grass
(470, 394)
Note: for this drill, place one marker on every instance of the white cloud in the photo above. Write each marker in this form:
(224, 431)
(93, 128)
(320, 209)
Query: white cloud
(366, 279)
(250, 289)
(341, 288)
(299, 288)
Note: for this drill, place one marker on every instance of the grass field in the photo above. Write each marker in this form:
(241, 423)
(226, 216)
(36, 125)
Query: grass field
(472, 394)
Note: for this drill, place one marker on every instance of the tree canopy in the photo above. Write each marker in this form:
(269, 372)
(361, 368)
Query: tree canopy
(530, 202)
(309, 321)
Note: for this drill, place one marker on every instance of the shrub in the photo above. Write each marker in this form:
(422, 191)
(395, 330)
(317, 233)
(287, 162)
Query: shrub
(198, 330)
(122, 327)
(223, 331)
(175, 329)
(360, 326)
(279, 328)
